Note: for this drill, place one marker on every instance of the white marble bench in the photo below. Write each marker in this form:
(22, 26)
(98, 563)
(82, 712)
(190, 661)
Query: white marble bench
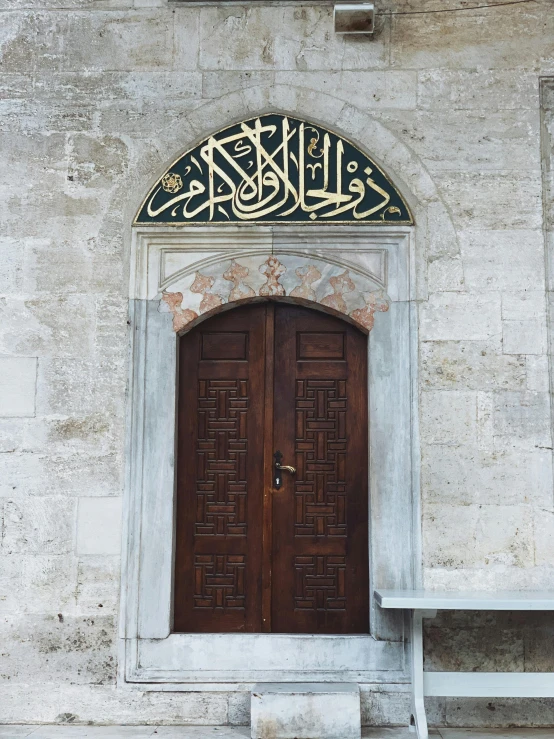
(425, 604)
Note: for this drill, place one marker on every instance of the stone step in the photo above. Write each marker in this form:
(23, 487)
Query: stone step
(305, 711)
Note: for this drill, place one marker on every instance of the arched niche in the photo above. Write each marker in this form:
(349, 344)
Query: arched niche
(274, 169)
(185, 270)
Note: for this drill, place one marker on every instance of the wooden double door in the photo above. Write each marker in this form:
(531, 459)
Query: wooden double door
(260, 548)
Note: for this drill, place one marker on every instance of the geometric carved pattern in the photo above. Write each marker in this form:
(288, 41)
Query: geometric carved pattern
(320, 583)
(320, 483)
(219, 581)
(221, 483)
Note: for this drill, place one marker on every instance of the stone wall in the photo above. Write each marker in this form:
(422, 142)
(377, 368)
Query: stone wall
(97, 96)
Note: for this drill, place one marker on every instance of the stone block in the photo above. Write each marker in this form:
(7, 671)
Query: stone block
(292, 39)
(477, 89)
(97, 589)
(99, 525)
(78, 386)
(504, 712)
(470, 365)
(18, 382)
(521, 419)
(504, 39)
(60, 647)
(369, 90)
(505, 260)
(382, 707)
(490, 578)
(523, 305)
(448, 417)
(50, 701)
(123, 40)
(538, 379)
(482, 140)
(35, 525)
(37, 583)
(153, 85)
(47, 326)
(484, 649)
(239, 709)
(11, 258)
(492, 200)
(305, 711)
(459, 317)
(524, 336)
(186, 33)
(445, 274)
(72, 273)
(458, 536)
(216, 84)
(468, 475)
(33, 40)
(544, 534)
(67, 474)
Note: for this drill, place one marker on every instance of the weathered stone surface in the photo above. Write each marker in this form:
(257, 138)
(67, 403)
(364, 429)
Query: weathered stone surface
(52, 702)
(59, 647)
(522, 419)
(504, 260)
(18, 380)
(38, 525)
(374, 89)
(524, 337)
(472, 712)
(470, 475)
(458, 317)
(287, 38)
(492, 200)
(443, 138)
(36, 583)
(506, 40)
(470, 365)
(489, 649)
(96, 98)
(97, 586)
(445, 274)
(36, 474)
(99, 526)
(484, 535)
(477, 89)
(448, 418)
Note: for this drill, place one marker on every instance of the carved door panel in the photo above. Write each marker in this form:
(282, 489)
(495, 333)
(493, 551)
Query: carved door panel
(218, 558)
(251, 557)
(320, 515)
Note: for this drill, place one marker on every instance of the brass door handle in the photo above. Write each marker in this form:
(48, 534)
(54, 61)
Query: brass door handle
(277, 479)
(286, 467)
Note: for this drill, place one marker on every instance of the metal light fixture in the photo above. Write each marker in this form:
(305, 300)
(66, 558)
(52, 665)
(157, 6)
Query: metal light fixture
(354, 17)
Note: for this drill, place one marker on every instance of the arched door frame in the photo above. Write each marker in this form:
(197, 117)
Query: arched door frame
(165, 264)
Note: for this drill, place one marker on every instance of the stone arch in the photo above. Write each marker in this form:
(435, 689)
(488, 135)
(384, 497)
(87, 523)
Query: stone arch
(195, 293)
(387, 149)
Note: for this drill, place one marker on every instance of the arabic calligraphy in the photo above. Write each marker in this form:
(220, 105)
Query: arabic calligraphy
(274, 168)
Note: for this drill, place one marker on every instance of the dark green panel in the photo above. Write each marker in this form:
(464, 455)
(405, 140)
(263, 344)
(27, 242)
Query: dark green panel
(274, 169)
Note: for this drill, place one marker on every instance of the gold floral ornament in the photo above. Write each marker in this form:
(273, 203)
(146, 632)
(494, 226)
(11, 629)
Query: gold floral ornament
(172, 182)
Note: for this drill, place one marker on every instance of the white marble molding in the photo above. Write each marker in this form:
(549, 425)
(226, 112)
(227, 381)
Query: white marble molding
(166, 261)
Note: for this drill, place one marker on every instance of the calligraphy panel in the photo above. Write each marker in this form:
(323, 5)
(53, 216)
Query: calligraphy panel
(274, 169)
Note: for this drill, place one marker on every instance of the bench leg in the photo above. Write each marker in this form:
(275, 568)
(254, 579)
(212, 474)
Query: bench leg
(418, 719)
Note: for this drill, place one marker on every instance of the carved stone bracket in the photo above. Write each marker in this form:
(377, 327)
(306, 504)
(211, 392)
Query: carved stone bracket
(331, 287)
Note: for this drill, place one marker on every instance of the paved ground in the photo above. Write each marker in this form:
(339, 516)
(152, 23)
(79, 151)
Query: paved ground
(226, 732)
